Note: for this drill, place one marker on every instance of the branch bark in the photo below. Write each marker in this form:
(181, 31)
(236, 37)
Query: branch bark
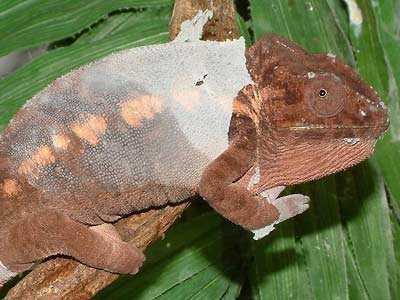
(221, 27)
(63, 278)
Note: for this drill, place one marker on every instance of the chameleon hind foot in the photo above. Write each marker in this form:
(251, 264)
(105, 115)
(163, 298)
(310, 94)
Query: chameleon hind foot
(98, 246)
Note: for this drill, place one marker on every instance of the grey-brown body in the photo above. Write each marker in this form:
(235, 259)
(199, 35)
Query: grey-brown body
(149, 126)
(127, 123)
(129, 132)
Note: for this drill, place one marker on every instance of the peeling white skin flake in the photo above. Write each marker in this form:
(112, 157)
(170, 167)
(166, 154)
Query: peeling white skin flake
(331, 55)
(311, 75)
(190, 85)
(363, 113)
(355, 15)
(262, 232)
(268, 195)
(5, 273)
(288, 207)
(200, 75)
(309, 6)
(352, 141)
(254, 179)
(192, 30)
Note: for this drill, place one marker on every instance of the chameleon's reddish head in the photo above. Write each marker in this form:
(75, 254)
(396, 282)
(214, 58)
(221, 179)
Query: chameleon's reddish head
(314, 115)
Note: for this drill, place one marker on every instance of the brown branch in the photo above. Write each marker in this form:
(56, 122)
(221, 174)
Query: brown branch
(67, 279)
(221, 27)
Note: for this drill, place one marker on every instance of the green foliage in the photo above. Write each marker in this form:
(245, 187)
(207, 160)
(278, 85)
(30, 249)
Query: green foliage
(346, 246)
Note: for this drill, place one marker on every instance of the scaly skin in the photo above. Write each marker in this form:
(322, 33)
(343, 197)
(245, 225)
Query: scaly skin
(97, 145)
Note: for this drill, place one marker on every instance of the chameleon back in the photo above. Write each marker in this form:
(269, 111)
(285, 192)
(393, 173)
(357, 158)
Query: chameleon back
(128, 132)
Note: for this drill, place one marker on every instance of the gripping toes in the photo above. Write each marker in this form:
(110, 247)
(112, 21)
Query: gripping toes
(288, 207)
(97, 246)
(291, 205)
(126, 259)
(134, 261)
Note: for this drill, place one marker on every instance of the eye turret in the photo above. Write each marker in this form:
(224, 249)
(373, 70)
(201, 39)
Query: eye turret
(325, 95)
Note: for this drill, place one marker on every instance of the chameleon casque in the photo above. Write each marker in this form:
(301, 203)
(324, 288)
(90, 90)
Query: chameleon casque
(154, 125)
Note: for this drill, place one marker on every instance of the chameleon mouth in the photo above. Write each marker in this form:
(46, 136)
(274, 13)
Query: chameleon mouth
(383, 126)
(328, 132)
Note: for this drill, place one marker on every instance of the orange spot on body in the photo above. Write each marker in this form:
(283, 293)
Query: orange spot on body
(60, 141)
(189, 98)
(39, 159)
(91, 130)
(136, 111)
(11, 187)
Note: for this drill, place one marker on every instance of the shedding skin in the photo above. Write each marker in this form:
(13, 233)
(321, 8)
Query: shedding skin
(91, 130)
(288, 207)
(60, 142)
(117, 147)
(136, 111)
(234, 202)
(42, 157)
(189, 99)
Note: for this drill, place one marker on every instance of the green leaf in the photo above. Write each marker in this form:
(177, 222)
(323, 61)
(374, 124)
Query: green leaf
(366, 214)
(243, 30)
(51, 65)
(372, 59)
(278, 268)
(345, 247)
(25, 24)
(309, 23)
(356, 287)
(386, 15)
(338, 257)
(396, 264)
(199, 259)
(377, 50)
(324, 250)
(138, 22)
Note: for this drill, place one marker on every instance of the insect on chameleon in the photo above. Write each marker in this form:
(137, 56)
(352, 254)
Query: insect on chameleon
(154, 125)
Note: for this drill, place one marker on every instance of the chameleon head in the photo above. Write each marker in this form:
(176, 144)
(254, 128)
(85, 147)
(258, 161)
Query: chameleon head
(314, 115)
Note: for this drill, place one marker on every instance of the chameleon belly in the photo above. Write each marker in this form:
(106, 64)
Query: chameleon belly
(148, 118)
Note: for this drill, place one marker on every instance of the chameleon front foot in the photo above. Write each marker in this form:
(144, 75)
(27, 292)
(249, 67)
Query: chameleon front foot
(291, 205)
(288, 207)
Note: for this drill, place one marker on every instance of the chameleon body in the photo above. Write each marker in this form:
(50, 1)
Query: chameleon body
(155, 125)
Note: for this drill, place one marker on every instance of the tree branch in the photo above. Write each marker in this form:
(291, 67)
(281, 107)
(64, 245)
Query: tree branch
(63, 278)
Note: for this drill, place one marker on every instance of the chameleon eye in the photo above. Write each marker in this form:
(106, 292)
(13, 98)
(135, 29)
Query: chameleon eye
(322, 103)
(322, 93)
